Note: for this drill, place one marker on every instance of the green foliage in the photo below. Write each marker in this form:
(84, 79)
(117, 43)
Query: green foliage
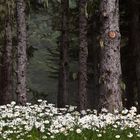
(36, 95)
(92, 7)
(30, 51)
(7, 8)
(7, 11)
(72, 4)
(38, 4)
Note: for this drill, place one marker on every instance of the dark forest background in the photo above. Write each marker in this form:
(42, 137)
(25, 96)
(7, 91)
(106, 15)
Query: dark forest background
(55, 36)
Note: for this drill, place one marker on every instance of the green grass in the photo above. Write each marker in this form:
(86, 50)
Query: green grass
(44, 121)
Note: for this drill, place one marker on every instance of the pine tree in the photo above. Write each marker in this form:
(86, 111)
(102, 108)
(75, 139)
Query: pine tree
(62, 97)
(83, 54)
(136, 43)
(21, 52)
(131, 82)
(6, 59)
(110, 67)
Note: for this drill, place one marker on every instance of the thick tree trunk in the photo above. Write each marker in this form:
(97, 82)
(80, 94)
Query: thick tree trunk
(83, 54)
(21, 52)
(62, 97)
(110, 67)
(6, 66)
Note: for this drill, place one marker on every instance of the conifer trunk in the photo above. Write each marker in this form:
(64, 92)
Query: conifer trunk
(62, 97)
(21, 52)
(83, 54)
(6, 66)
(136, 44)
(110, 67)
(132, 64)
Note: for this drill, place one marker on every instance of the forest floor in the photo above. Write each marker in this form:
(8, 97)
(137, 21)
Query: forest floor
(43, 121)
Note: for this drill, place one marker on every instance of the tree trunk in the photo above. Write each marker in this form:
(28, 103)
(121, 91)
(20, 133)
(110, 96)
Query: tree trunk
(110, 67)
(21, 52)
(83, 54)
(131, 55)
(93, 61)
(6, 66)
(62, 97)
(136, 44)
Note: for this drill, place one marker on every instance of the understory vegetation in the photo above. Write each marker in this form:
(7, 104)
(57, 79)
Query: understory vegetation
(43, 121)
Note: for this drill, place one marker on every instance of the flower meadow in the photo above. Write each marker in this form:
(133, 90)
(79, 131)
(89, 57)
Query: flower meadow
(43, 121)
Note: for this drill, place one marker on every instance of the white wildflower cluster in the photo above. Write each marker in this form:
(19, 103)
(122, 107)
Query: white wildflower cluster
(47, 121)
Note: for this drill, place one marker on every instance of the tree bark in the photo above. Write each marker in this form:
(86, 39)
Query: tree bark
(62, 97)
(83, 54)
(6, 66)
(110, 67)
(21, 52)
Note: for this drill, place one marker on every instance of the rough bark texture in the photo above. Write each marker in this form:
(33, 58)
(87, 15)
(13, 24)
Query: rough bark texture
(131, 54)
(110, 67)
(21, 52)
(6, 66)
(83, 54)
(62, 97)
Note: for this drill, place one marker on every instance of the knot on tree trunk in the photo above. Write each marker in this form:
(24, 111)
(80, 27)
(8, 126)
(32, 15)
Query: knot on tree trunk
(112, 34)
